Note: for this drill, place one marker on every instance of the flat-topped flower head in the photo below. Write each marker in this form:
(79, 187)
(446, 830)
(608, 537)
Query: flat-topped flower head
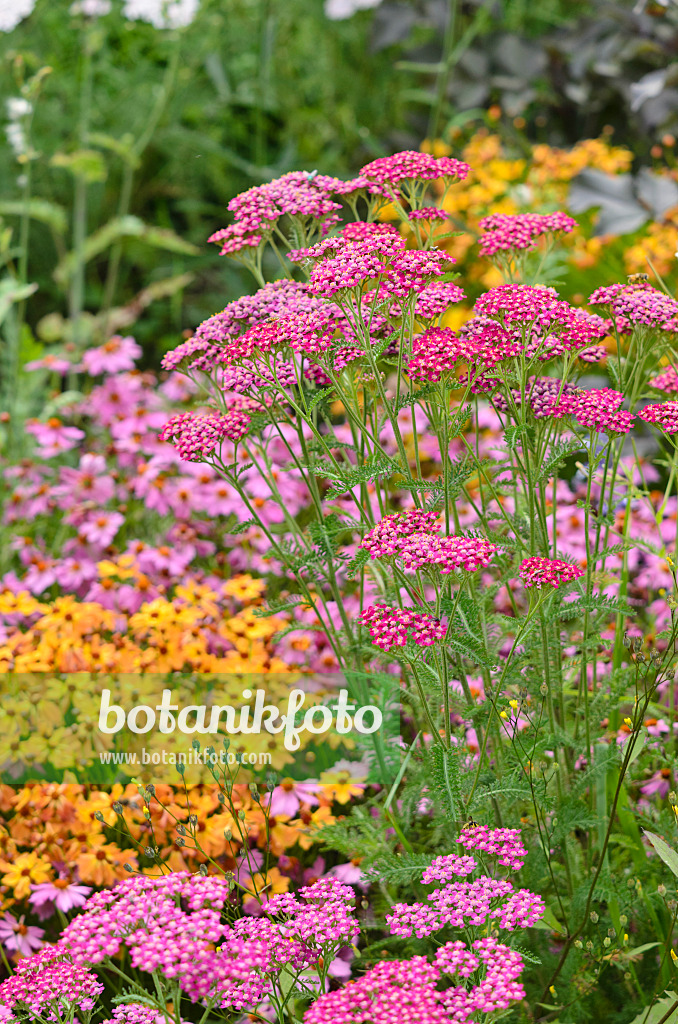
(394, 627)
(667, 380)
(382, 540)
(447, 867)
(436, 298)
(50, 978)
(399, 991)
(354, 264)
(447, 554)
(195, 437)
(663, 415)
(519, 303)
(640, 304)
(547, 572)
(411, 165)
(503, 843)
(547, 397)
(534, 319)
(438, 350)
(256, 211)
(415, 269)
(427, 213)
(505, 232)
(600, 409)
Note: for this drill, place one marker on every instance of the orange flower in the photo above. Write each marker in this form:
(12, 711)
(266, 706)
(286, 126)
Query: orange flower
(104, 865)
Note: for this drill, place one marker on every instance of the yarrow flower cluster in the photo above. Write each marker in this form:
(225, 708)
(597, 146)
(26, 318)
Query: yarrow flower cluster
(475, 902)
(297, 931)
(394, 627)
(637, 304)
(382, 540)
(409, 991)
(256, 211)
(196, 437)
(506, 232)
(667, 380)
(503, 843)
(547, 572)
(51, 982)
(409, 164)
(663, 415)
(410, 536)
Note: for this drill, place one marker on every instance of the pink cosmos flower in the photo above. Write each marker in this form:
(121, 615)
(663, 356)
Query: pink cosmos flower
(661, 782)
(53, 437)
(115, 356)
(18, 937)
(51, 363)
(101, 528)
(289, 795)
(60, 895)
(89, 482)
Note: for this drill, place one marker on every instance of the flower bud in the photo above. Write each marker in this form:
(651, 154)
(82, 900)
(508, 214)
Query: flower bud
(578, 944)
(673, 799)
(594, 917)
(623, 919)
(661, 889)
(543, 689)
(607, 941)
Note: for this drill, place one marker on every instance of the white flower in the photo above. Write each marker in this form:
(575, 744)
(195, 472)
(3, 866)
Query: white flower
(162, 13)
(337, 10)
(16, 138)
(17, 107)
(14, 11)
(91, 8)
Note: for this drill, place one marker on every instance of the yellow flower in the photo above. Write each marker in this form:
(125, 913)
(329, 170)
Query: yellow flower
(26, 870)
(245, 588)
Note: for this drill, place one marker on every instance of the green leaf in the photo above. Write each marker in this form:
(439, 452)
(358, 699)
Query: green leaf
(122, 147)
(554, 460)
(403, 869)
(115, 230)
(669, 856)
(358, 562)
(658, 1011)
(10, 292)
(459, 421)
(550, 921)
(242, 527)
(87, 164)
(318, 397)
(37, 209)
(446, 777)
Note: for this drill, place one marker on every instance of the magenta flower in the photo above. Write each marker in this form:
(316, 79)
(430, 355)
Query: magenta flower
(115, 356)
(538, 572)
(18, 937)
(60, 895)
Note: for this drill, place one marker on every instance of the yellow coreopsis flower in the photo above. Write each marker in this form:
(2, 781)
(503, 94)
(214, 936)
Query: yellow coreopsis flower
(26, 870)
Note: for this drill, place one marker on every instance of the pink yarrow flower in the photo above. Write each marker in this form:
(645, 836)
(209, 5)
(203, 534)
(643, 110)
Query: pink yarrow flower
(394, 627)
(506, 232)
(539, 572)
